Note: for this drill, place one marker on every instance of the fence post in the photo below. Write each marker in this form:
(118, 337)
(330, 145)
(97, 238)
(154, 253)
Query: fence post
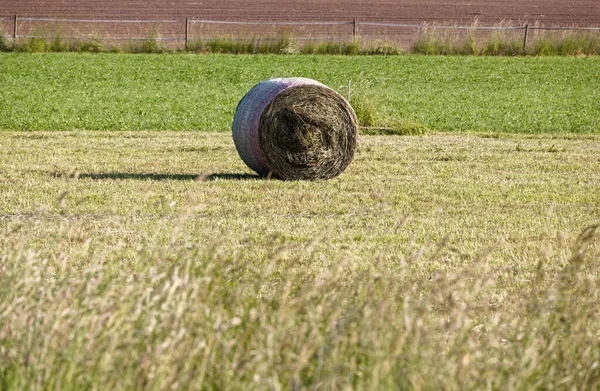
(187, 31)
(525, 39)
(355, 28)
(15, 30)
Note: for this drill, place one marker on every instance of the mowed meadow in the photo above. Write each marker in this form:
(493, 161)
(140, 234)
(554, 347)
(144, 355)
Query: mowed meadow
(137, 251)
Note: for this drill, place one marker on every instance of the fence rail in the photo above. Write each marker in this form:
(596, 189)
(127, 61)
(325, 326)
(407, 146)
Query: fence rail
(254, 23)
(473, 27)
(183, 31)
(100, 20)
(566, 28)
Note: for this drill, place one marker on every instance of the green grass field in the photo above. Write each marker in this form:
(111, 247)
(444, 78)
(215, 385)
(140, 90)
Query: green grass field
(67, 91)
(157, 259)
(151, 257)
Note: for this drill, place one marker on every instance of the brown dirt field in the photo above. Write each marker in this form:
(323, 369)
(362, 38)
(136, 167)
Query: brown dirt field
(547, 12)
(556, 13)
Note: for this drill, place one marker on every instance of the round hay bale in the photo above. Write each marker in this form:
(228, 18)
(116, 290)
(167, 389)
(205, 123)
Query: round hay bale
(295, 128)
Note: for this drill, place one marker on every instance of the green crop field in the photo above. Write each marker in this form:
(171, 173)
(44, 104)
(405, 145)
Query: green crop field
(153, 259)
(58, 91)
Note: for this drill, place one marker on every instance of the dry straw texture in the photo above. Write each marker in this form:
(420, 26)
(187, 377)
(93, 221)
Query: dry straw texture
(295, 128)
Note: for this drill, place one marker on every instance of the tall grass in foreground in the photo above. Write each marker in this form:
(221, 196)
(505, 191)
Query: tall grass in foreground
(156, 260)
(181, 316)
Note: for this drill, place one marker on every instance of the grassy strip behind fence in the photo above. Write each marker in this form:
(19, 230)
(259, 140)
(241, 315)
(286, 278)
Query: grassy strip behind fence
(274, 45)
(408, 94)
(507, 43)
(430, 41)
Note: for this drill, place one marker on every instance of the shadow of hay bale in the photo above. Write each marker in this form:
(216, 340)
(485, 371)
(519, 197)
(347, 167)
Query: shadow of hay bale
(163, 177)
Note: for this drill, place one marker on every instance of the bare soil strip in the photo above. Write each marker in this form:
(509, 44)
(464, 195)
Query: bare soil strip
(547, 12)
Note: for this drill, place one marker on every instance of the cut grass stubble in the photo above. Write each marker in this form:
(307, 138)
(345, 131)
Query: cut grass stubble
(441, 261)
(503, 39)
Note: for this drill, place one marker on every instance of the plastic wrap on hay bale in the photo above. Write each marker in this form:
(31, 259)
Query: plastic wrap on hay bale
(295, 128)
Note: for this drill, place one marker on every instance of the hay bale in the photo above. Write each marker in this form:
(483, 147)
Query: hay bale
(295, 128)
